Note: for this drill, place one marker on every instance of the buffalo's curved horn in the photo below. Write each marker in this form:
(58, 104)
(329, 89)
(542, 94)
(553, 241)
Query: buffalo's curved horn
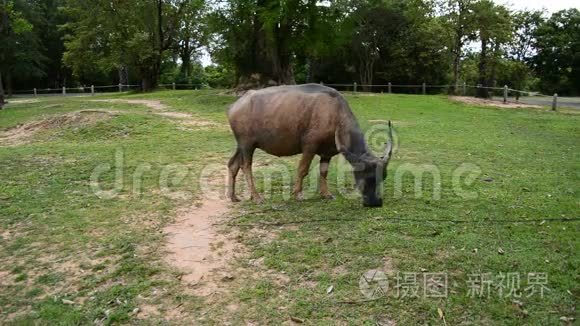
(389, 147)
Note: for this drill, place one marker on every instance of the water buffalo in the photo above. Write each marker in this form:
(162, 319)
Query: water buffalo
(310, 119)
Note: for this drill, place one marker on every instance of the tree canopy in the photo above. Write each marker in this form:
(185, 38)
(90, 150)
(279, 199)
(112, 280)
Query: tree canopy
(257, 43)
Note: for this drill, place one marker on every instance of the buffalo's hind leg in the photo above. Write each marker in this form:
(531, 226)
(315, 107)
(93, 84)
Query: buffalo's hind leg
(323, 184)
(247, 156)
(234, 167)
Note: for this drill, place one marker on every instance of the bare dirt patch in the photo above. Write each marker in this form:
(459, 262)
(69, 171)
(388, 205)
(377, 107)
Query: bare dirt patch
(193, 242)
(23, 133)
(161, 109)
(197, 245)
(484, 102)
(23, 101)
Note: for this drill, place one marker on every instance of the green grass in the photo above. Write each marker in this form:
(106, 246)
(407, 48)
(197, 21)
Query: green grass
(60, 241)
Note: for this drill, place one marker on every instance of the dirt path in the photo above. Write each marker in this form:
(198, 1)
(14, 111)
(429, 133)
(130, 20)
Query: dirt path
(161, 109)
(198, 250)
(484, 102)
(194, 244)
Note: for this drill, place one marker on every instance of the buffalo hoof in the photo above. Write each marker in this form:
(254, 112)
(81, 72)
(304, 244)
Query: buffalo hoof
(299, 196)
(327, 196)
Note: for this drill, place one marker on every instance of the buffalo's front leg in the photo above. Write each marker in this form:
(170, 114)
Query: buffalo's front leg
(323, 185)
(303, 168)
(247, 156)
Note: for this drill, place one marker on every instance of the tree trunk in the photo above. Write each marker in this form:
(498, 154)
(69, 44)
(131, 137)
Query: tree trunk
(8, 88)
(186, 59)
(367, 74)
(483, 92)
(492, 76)
(1, 92)
(149, 78)
(456, 62)
(309, 70)
(123, 75)
(270, 58)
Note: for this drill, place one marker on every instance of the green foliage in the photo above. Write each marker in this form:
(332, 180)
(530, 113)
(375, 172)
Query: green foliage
(136, 34)
(256, 43)
(19, 48)
(558, 53)
(525, 25)
(218, 77)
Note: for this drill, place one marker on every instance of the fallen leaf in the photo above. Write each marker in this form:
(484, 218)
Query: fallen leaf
(65, 301)
(441, 316)
(329, 289)
(500, 251)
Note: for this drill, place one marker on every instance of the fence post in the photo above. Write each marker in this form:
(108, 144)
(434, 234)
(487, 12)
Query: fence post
(63, 91)
(505, 93)
(92, 89)
(173, 85)
(555, 102)
(389, 87)
(120, 87)
(464, 88)
(354, 86)
(424, 88)
(35, 92)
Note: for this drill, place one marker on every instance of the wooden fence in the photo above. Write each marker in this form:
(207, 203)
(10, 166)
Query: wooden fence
(389, 88)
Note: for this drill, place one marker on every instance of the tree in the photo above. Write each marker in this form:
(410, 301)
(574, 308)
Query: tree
(375, 27)
(256, 37)
(520, 50)
(524, 26)
(493, 26)
(46, 18)
(262, 40)
(459, 16)
(16, 39)
(191, 35)
(558, 53)
(135, 34)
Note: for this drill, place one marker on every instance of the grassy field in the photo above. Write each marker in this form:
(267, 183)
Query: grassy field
(71, 257)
